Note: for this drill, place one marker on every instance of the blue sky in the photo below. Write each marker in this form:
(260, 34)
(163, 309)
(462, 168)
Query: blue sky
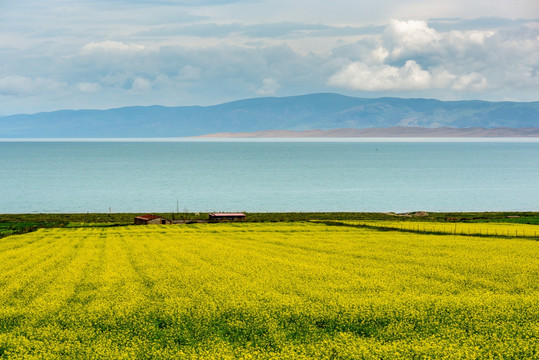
(65, 54)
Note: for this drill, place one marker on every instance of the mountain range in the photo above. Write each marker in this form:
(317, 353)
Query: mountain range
(298, 114)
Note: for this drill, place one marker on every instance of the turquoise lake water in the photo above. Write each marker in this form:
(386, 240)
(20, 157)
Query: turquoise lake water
(263, 176)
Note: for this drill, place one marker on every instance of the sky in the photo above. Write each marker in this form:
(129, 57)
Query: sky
(96, 54)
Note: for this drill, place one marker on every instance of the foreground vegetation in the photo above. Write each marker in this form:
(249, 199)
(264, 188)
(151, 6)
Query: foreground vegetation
(21, 223)
(455, 228)
(266, 290)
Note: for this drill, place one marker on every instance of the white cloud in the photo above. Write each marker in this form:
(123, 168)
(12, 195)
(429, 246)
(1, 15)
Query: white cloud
(269, 87)
(411, 34)
(474, 37)
(15, 85)
(379, 55)
(359, 76)
(141, 85)
(110, 46)
(442, 79)
(411, 56)
(413, 39)
(88, 87)
(472, 81)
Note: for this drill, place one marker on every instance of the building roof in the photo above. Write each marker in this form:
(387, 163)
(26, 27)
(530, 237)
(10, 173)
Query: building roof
(228, 214)
(149, 217)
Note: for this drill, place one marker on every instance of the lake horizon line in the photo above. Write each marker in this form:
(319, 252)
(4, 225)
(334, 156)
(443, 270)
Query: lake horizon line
(286, 139)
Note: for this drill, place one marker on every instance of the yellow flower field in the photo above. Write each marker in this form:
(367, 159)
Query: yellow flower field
(266, 291)
(456, 228)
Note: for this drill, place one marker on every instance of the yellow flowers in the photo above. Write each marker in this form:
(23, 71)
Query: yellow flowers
(265, 291)
(489, 229)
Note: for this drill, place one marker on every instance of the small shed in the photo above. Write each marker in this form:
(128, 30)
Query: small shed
(151, 219)
(218, 217)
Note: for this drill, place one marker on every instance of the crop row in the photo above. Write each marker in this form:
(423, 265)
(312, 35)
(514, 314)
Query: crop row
(284, 290)
(456, 228)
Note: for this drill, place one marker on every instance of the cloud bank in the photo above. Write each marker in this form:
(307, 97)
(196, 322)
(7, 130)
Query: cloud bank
(455, 61)
(206, 52)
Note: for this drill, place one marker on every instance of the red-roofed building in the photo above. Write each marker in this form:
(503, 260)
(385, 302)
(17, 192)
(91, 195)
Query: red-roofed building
(227, 217)
(151, 219)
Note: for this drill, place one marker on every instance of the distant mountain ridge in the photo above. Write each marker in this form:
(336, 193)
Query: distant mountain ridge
(295, 113)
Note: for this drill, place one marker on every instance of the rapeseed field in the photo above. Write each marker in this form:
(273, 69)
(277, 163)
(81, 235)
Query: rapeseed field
(456, 228)
(266, 291)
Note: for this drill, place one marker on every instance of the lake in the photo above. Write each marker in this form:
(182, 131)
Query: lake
(372, 175)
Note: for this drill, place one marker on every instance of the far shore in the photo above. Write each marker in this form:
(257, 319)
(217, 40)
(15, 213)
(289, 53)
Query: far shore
(389, 132)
